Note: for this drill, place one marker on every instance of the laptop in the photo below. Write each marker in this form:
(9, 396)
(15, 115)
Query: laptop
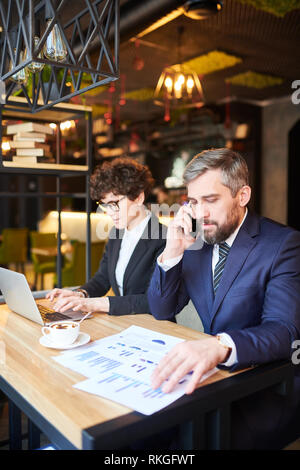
(19, 299)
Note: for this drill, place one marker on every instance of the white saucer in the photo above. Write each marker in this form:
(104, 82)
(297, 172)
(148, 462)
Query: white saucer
(82, 339)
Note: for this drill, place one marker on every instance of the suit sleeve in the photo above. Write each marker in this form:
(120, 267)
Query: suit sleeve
(134, 303)
(99, 284)
(273, 338)
(128, 304)
(167, 294)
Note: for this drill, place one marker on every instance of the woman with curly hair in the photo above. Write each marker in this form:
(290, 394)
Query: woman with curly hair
(135, 242)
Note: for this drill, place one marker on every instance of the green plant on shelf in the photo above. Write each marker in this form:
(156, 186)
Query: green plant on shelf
(70, 80)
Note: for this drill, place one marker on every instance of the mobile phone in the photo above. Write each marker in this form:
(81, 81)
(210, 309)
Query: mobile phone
(195, 228)
(195, 225)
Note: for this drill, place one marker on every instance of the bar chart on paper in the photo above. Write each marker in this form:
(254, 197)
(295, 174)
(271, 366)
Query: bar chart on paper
(131, 392)
(119, 368)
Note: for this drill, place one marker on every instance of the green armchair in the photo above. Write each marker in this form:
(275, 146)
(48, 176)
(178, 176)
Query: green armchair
(42, 264)
(14, 247)
(73, 272)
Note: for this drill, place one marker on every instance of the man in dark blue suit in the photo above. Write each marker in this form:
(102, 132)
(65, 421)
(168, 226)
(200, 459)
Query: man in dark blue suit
(243, 276)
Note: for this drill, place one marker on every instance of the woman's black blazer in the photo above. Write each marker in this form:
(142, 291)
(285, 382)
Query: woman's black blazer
(137, 274)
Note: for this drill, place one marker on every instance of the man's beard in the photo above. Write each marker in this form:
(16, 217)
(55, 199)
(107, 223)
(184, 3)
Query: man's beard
(222, 232)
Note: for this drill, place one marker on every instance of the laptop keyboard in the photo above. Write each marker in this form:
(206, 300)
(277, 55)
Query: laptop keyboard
(49, 315)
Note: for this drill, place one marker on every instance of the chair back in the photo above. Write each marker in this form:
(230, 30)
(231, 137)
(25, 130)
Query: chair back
(74, 273)
(42, 240)
(14, 245)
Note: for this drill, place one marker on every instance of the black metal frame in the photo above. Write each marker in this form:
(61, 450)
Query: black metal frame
(102, 16)
(206, 413)
(57, 173)
(203, 417)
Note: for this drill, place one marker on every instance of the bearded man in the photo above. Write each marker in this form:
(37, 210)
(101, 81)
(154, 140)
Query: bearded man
(242, 274)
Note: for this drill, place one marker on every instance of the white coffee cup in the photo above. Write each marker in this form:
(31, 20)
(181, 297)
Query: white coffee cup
(62, 333)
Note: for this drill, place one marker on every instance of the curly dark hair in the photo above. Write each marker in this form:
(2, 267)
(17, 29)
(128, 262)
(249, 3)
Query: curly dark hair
(122, 176)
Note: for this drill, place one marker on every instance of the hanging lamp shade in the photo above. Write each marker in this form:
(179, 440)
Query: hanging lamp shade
(47, 49)
(180, 86)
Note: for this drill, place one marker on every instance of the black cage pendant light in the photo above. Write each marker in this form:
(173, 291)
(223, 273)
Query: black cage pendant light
(52, 50)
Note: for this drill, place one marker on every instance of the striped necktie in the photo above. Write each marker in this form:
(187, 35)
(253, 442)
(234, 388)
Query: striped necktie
(223, 252)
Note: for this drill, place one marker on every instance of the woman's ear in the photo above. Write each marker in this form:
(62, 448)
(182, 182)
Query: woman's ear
(140, 199)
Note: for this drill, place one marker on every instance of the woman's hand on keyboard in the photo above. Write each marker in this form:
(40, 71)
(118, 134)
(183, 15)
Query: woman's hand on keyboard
(62, 293)
(91, 304)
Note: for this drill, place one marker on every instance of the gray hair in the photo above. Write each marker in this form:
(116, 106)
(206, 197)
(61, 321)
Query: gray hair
(234, 168)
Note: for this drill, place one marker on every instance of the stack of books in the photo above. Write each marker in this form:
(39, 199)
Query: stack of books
(29, 141)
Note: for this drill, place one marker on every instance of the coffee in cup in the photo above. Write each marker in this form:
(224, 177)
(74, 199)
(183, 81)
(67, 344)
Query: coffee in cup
(62, 333)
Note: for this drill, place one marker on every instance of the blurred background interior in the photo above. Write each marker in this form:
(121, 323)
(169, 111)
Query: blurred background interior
(194, 74)
(239, 66)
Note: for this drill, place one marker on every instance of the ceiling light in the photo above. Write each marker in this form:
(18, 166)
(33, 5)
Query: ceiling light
(18, 56)
(35, 66)
(178, 85)
(55, 48)
(201, 9)
(63, 53)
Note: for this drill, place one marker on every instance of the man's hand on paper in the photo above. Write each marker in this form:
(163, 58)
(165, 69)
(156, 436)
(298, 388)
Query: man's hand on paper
(91, 304)
(199, 356)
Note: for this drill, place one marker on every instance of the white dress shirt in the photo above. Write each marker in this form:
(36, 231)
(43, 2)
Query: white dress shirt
(128, 244)
(170, 263)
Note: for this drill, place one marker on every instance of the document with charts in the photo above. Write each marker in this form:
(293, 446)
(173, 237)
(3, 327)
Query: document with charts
(119, 368)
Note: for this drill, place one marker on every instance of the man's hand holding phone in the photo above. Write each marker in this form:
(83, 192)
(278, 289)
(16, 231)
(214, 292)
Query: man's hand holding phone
(182, 233)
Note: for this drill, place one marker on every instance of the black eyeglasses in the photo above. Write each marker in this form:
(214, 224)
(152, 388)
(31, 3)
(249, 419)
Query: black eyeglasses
(113, 205)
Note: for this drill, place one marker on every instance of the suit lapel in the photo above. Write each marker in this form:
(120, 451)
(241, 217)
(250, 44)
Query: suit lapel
(114, 259)
(237, 256)
(135, 258)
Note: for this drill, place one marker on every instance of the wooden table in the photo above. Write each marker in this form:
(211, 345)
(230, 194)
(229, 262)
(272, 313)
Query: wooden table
(71, 418)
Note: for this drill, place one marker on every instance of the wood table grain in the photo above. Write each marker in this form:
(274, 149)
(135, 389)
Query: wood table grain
(27, 368)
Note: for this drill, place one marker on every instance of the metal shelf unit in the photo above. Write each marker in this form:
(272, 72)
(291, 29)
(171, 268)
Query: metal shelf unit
(57, 114)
